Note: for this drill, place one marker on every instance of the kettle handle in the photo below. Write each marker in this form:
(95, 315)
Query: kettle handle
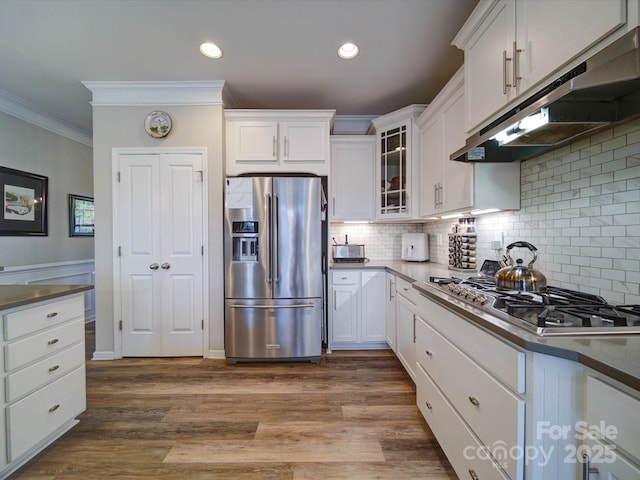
(533, 249)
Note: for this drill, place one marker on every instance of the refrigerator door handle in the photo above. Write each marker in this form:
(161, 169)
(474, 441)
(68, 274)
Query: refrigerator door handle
(265, 307)
(276, 273)
(269, 236)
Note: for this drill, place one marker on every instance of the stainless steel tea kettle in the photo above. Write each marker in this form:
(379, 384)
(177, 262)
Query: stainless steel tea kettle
(518, 277)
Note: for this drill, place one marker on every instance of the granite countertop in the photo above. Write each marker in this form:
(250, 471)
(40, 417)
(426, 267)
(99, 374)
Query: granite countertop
(617, 356)
(18, 295)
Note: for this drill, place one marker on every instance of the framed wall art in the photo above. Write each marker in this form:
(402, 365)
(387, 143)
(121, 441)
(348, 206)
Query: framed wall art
(24, 197)
(80, 216)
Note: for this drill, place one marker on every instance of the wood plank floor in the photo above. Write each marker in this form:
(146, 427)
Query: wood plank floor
(351, 417)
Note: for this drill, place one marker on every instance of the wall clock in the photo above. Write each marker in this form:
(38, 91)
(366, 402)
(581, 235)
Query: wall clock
(157, 124)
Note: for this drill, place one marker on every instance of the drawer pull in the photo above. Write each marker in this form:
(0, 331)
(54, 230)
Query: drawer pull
(429, 353)
(473, 474)
(54, 408)
(52, 314)
(428, 405)
(474, 401)
(53, 341)
(343, 278)
(54, 368)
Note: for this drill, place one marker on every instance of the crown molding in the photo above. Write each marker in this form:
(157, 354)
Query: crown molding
(111, 93)
(23, 110)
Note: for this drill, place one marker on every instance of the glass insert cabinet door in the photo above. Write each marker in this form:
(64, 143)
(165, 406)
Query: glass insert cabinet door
(393, 158)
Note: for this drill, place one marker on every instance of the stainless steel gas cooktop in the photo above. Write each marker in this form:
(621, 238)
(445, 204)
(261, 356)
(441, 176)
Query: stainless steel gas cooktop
(554, 312)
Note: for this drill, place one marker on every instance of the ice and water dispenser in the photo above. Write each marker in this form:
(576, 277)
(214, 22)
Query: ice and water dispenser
(244, 237)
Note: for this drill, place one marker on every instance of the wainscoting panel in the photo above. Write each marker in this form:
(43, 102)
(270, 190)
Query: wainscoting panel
(79, 272)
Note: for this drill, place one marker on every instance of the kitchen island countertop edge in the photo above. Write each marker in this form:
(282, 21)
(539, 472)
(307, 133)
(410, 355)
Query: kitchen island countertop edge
(12, 296)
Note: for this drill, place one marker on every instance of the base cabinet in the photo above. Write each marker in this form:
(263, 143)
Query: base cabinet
(43, 368)
(358, 312)
(406, 326)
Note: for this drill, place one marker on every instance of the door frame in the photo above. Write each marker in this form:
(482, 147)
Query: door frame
(115, 206)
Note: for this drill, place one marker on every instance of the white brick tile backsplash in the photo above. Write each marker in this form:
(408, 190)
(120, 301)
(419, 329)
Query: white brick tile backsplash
(581, 209)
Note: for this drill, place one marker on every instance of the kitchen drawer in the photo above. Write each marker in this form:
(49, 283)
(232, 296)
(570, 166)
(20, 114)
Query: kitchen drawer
(34, 417)
(405, 289)
(31, 348)
(34, 376)
(608, 463)
(465, 453)
(494, 413)
(608, 407)
(500, 359)
(43, 315)
(345, 277)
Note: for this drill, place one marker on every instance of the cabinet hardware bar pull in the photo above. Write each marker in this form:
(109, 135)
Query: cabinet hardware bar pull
(54, 408)
(474, 401)
(54, 368)
(334, 206)
(53, 341)
(52, 314)
(286, 150)
(473, 474)
(429, 353)
(435, 194)
(587, 469)
(274, 145)
(428, 405)
(505, 84)
(516, 74)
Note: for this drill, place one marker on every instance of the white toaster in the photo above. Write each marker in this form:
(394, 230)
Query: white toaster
(415, 247)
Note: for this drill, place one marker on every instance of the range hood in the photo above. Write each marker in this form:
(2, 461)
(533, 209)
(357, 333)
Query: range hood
(596, 94)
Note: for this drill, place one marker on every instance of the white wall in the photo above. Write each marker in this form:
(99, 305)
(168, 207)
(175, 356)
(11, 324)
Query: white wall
(123, 127)
(68, 164)
(581, 209)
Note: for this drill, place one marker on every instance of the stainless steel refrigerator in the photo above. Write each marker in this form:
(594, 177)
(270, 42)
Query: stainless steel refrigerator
(274, 274)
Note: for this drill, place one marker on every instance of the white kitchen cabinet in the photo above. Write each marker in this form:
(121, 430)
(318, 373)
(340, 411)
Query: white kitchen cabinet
(397, 172)
(512, 46)
(448, 186)
(352, 177)
(44, 386)
(406, 326)
(271, 141)
(611, 413)
(358, 315)
(391, 311)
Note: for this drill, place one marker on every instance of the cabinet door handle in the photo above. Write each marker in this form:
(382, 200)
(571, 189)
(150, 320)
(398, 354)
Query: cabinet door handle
(587, 469)
(429, 353)
(335, 307)
(286, 150)
(474, 401)
(428, 405)
(414, 328)
(473, 474)
(505, 84)
(54, 408)
(274, 146)
(52, 314)
(435, 194)
(54, 368)
(516, 74)
(53, 341)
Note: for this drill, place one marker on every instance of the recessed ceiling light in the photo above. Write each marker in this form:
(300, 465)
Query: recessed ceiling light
(210, 50)
(348, 51)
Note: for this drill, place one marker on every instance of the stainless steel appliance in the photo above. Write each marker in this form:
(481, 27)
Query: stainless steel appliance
(274, 274)
(598, 93)
(555, 312)
(348, 253)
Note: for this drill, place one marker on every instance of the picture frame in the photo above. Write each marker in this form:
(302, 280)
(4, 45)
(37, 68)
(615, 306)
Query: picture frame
(81, 211)
(24, 201)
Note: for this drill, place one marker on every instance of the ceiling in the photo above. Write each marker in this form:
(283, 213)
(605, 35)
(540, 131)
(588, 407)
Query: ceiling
(277, 53)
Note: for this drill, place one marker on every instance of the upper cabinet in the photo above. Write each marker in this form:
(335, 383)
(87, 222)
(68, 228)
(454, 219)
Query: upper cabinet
(271, 141)
(351, 185)
(447, 186)
(511, 46)
(396, 171)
